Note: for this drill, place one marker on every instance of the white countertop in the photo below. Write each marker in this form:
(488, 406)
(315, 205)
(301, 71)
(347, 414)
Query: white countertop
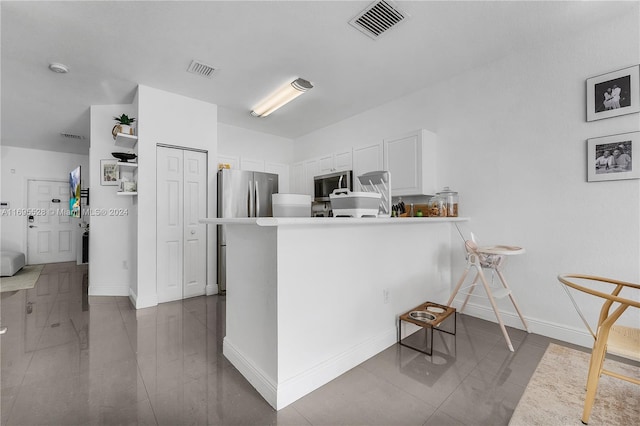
(279, 221)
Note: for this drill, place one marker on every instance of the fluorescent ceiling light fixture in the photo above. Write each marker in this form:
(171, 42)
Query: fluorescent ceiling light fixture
(283, 95)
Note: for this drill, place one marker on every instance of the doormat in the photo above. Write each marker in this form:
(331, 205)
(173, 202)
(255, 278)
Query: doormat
(25, 278)
(555, 394)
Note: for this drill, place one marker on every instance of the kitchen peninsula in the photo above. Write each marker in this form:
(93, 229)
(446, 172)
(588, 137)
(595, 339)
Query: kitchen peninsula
(310, 298)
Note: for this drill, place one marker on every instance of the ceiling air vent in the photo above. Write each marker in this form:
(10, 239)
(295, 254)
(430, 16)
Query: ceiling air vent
(379, 17)
(201, 68)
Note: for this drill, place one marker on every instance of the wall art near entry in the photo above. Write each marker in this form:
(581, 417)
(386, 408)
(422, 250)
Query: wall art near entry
(108, 172)
(613, 157)
(612, 94)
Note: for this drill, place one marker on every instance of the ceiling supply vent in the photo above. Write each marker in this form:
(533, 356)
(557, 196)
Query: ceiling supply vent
(379, 17)
(201, 68)
(71, 136)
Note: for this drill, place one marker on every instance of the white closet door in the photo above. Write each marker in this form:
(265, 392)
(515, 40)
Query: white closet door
(195, 233)
(170, 223)
(182, 240)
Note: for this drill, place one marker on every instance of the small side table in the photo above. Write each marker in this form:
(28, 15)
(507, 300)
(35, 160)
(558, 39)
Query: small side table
(419, 316)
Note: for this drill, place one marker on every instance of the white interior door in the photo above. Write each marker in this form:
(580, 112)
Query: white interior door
(195, 233)
(181, 202)
(50, 232)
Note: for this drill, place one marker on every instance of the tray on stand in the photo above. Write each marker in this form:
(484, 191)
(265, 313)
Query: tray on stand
(430, 316)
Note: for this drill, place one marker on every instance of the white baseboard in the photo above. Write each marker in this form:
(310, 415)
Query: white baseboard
(279, 395)
(133, 298)
(294, 388)
(211, 289)
(536, 325)
(264, 385)
(146, 302)
(108, 290)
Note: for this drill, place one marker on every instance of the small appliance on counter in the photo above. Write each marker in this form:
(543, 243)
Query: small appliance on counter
(354, 204)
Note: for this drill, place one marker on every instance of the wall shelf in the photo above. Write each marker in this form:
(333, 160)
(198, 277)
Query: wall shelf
(124, 164)
(126, 141)
(127, 193)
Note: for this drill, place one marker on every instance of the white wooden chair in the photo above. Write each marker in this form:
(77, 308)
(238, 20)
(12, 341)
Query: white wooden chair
(492, 258)
(615, 339)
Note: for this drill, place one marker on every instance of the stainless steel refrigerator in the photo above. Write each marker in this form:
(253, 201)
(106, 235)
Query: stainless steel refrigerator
(241, 194)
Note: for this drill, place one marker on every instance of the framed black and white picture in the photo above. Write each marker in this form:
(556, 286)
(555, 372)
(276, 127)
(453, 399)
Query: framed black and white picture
(613, 157)
(612, 94)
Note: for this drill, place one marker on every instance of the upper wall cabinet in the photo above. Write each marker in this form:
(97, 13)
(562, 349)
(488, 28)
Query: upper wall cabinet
(411, 160)
(251, 164)
(311, 170)
(335, 162)
(297, 180)
(366, 159)
(232, 160)
(282, 170)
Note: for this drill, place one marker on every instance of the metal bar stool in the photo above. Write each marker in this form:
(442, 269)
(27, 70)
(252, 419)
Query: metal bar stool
(489, 258)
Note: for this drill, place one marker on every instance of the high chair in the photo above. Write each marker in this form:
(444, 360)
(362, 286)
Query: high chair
(616, 339)
(492, 258)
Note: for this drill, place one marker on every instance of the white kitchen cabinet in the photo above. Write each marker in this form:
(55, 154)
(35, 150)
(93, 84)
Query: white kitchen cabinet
(367, 159)
(411, 160)
(232, 160)
(311, 170)
(298, 177)
(282, 170)
(337, 162)
(251, 164)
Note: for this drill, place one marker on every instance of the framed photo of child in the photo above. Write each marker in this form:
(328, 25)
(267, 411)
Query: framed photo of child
(612, 94)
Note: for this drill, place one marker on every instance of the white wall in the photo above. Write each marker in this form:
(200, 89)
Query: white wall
(18, 165)
(256, 145)
(513, 143)
(259, 151)
(167, 118)
(112, 249)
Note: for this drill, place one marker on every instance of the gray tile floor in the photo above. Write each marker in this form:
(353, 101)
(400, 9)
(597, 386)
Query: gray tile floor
(71, 359)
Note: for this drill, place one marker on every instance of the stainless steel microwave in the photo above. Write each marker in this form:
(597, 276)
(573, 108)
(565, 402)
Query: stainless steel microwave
(325, 184)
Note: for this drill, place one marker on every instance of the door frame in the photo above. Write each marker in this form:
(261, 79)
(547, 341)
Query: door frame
(25, 232)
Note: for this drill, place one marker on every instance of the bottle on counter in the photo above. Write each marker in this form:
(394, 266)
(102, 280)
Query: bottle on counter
(451, 201)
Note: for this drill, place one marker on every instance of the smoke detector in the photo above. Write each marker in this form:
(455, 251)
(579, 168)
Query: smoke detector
(58, 68)
(200, 68)
(377, 18)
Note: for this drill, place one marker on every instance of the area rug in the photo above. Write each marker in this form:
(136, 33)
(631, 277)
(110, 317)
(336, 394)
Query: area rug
(555, 393)
(25, 278)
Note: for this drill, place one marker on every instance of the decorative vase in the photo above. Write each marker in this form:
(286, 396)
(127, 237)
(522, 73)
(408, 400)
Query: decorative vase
(121, 128)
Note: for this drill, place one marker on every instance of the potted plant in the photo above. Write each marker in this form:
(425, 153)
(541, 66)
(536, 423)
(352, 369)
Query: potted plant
(123, 126)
